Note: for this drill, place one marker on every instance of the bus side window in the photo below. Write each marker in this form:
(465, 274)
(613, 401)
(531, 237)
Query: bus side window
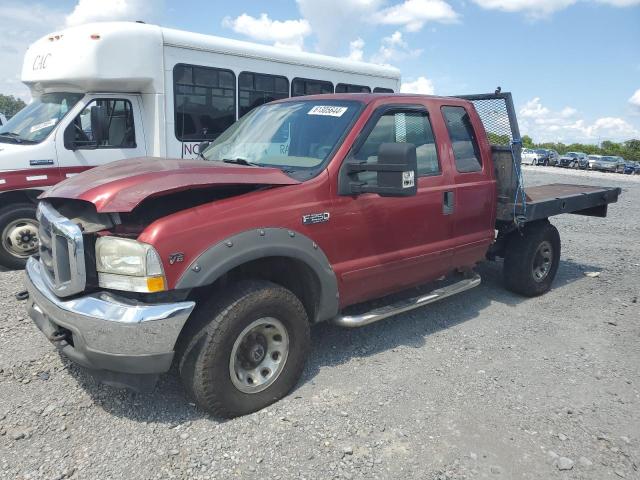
(204, 101)
(305, 86)
(255, 89)
(120, 131)
(382, 90)
(349, 88)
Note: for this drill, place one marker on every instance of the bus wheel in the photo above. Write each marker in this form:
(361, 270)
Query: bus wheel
(19, 230)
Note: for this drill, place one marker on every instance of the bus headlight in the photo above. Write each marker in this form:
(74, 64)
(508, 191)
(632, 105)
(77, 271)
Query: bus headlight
(125, 264)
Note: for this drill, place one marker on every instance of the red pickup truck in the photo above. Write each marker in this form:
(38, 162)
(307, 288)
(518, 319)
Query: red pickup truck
(301, 212)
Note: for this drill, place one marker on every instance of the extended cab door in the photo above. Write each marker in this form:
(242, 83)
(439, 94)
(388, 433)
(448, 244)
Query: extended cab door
(124, 133)
(474, 189)
(386, 244)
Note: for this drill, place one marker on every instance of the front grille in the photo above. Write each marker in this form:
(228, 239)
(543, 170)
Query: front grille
(61, 252)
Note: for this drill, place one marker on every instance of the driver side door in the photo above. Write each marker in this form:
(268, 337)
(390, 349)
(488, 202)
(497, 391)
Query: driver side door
(388, 244)
(124, 134)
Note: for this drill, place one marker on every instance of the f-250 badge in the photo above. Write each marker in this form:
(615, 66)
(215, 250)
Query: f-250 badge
(176, 258)
(312, 218)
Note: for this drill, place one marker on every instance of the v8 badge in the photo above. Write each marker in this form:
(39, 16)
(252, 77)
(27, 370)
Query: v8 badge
(176, 258)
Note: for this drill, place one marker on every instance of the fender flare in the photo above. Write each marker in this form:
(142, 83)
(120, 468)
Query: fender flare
(252, 245)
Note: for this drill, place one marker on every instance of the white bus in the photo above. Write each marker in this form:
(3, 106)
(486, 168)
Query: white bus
(110, 91)
(163, 91)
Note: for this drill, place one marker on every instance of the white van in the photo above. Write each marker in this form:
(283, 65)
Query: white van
(108, 91)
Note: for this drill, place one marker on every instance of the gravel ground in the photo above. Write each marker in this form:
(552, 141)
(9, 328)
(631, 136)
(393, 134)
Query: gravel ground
(483, 385)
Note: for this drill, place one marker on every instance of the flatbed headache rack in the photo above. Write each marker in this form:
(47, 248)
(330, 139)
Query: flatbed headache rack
(516, 204)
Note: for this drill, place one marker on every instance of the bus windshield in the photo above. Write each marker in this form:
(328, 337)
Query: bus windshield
(296, 136)
(34, 122)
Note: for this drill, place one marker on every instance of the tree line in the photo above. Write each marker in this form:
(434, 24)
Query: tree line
(10, 105)
(629, 150)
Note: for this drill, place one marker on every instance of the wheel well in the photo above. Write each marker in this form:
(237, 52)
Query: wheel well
(290, 273)
(19, 196)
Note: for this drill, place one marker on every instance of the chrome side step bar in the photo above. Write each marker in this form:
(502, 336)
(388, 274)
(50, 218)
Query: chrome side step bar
(353, 321)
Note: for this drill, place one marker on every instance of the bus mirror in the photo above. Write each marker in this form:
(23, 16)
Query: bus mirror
(70, 137)
(99, 124)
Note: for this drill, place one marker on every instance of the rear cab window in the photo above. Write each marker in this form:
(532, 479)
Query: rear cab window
(464, 142)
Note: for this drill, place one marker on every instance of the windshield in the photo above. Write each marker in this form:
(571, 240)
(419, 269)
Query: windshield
(544, 152)
(297, 136)
(609, 159)
(35, 121)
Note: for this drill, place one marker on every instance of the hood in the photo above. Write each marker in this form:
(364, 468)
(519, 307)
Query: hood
(121, 186)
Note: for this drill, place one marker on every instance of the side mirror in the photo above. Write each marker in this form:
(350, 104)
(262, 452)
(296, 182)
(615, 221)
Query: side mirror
(69, 137)
(396, 169)
(99, 124)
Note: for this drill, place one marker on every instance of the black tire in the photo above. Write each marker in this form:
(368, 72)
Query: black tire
(526, 255)
(13, 214)
(205, 357)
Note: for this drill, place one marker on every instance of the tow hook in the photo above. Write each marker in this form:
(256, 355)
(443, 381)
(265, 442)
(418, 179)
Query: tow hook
(23, 295)
(58, 336)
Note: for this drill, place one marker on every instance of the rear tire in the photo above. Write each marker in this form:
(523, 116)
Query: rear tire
(245, 348)
(18, 220)
(532, 258)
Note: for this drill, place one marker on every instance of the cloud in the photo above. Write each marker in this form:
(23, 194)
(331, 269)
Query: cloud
(356, 50)
(421, 85)
(334, 21)
(100, 11)
(413, 14)
(545, 125)
(21, 25)
(620, 3)
(635, 99)
(287, 33)
(532, 7)
(544, 8)
(394, 48)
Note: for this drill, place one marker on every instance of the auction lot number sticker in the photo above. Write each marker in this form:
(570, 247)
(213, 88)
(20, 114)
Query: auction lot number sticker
(327, 110)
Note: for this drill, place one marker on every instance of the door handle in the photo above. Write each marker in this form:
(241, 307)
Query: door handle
(448, 203)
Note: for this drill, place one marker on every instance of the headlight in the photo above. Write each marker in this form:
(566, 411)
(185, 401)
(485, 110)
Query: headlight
(125, 264)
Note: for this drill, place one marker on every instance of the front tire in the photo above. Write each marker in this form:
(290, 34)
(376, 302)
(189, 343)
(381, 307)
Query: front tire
(532, 258)
(246, 348)
(19, 230)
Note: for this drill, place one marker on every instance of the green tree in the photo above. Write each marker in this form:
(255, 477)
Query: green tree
(10, 105)
(527, 141)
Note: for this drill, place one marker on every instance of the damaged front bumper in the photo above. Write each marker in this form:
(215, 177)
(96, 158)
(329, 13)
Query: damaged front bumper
(116, 338)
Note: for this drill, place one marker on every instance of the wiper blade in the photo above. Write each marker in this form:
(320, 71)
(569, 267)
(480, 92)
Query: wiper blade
(12, 135)
(241, 161)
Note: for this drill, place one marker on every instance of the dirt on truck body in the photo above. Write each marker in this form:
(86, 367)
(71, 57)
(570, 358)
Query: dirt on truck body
(303, 211)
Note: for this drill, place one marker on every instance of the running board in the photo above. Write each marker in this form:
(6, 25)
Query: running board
(353, 321)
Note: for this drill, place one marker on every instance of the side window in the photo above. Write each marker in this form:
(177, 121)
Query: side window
(402, 126)
(463, 139)
(119, 125)
(348, 88)
(255, 89)
(303, 86)
(204, 102)
(382, 90)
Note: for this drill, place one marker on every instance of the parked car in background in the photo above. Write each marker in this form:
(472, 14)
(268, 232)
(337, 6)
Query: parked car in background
(543, 156)
(553, 158)
(529, 156)
(573, 160)
(631, 167)
(610, 163)
(593, 159)
(3, 119)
